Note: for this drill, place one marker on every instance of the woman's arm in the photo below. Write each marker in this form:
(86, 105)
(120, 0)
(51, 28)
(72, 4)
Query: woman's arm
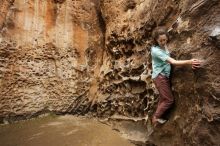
(194, 62)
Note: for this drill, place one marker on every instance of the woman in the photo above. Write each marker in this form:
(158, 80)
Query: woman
(161, 65)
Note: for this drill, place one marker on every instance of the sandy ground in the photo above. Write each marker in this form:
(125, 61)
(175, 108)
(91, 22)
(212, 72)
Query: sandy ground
(60, 131)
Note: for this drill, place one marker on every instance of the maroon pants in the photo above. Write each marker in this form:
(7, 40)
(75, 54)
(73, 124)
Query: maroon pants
(166, 97)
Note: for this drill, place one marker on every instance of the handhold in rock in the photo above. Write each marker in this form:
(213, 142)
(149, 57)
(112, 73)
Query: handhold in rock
(214, 37)
(215, 32)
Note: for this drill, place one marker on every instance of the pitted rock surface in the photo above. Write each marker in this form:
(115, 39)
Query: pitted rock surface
(93, 57)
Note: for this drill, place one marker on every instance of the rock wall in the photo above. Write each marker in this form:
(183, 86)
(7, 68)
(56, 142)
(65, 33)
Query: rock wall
(194, 30)
(93, 57)
(50, 53)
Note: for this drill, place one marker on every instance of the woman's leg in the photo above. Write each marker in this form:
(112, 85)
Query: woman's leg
(166, 98)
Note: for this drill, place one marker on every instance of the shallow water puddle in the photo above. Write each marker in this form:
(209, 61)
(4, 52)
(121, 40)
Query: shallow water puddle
(60, 131)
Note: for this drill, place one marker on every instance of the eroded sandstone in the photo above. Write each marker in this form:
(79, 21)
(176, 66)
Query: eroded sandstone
(93, 57)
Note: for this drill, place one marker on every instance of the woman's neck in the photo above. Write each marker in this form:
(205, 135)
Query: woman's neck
(163, 47)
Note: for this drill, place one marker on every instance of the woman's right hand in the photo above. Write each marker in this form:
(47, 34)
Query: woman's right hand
(196, 63)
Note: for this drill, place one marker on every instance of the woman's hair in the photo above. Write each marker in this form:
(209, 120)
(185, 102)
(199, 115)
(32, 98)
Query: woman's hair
(159, 31)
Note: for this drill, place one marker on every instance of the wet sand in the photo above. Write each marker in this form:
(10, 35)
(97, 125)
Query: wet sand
(60, 131)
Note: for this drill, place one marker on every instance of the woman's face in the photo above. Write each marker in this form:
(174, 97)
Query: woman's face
(162, 40)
